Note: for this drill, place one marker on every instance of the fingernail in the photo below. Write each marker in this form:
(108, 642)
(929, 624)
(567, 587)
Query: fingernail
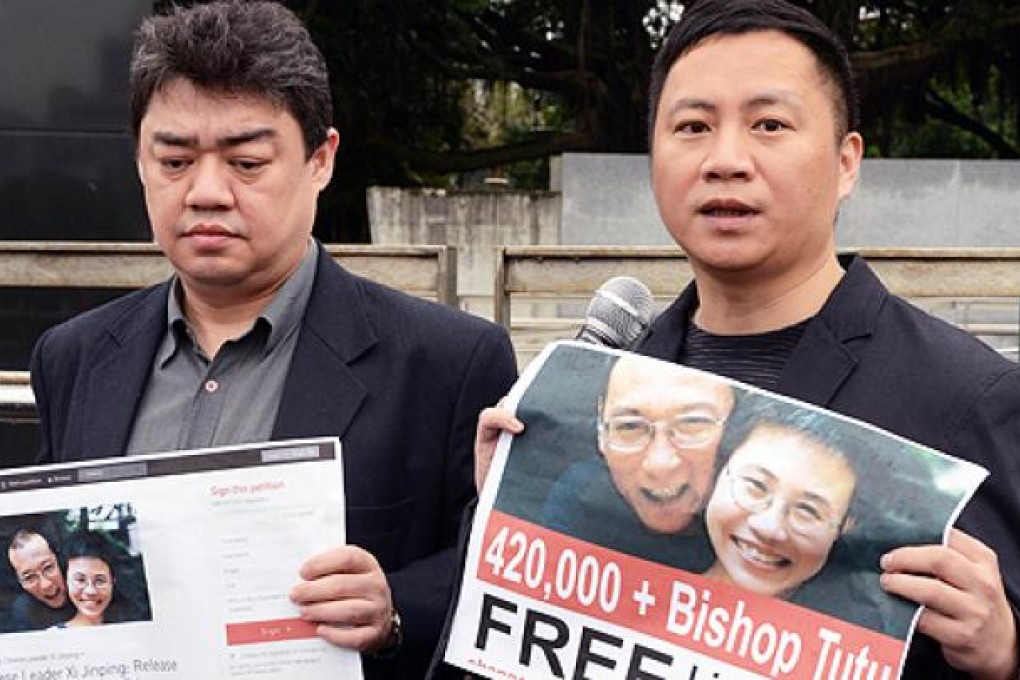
(886, 561)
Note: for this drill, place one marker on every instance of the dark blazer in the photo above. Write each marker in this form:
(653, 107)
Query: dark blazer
(871, 355)
(398, 379)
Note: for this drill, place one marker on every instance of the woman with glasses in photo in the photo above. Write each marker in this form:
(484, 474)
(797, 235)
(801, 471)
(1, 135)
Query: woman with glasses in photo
(780, 504)
(90, 578)
(796, 507)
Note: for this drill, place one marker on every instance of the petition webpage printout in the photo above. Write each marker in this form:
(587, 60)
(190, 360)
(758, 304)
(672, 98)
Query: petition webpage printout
(653, 521)
(172, 565)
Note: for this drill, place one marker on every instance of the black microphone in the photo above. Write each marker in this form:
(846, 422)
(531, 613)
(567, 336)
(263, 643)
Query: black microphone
(619, 314)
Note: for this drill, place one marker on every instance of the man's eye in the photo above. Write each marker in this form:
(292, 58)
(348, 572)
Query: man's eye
(628, 426)
(174, 164)
(770, 125)
(693, 127)
(248, 166)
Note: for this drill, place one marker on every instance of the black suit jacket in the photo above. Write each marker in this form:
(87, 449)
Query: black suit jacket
(871, 355)
(398, 379)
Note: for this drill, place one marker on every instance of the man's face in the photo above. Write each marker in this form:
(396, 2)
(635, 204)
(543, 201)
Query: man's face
(777, 509)
(746, 168)
(37, 570)
(230, 194)
(661, 428)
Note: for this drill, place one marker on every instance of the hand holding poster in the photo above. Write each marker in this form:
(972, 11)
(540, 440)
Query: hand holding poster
(653, 521)
(169, 565)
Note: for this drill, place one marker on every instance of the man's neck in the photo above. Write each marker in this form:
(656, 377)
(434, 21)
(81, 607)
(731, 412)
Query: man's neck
(214, 322)
(738, 308)
(218, 313)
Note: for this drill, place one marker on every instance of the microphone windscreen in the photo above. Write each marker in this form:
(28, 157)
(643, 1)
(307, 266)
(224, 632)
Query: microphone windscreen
(619, 313)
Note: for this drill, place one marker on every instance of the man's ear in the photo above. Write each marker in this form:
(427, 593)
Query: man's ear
(138, 167)
(323, 159)
(849, 524)
(851, 151)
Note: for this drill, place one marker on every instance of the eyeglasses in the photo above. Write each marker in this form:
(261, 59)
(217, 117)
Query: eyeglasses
(99, 582)
(32, 579)
(754, 492)
(633, 433)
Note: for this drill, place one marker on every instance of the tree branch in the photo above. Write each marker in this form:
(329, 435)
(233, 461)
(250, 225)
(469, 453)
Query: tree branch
(943, 110)
(539, 145)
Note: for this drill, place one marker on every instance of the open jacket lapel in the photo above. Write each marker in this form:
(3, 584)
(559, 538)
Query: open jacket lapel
(667, 333)
(116, 382)
(826, 354)
(322, 392)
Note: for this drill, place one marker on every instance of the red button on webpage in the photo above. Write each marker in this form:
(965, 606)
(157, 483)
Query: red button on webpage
(251, 632)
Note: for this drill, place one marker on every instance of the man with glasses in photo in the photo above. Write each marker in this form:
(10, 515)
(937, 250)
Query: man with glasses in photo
(659, 430)
(43, 602)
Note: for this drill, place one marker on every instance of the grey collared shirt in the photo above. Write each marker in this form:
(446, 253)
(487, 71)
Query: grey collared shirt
(194, 402)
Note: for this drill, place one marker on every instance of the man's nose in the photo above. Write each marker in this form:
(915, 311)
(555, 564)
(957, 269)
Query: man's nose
(210, 186)
(728, 157)
(661, 455)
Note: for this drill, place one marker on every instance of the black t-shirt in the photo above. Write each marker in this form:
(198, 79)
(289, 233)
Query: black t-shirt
(753, 359)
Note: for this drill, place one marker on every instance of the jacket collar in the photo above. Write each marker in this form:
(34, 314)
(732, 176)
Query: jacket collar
(116, 381)
(322, 392)
(826, 354)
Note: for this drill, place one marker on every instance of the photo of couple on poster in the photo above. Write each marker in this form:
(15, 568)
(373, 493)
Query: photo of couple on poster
(71, 568)
(747, 488)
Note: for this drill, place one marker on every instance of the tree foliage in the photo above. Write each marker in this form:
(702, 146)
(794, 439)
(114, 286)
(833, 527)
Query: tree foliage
(937, 79)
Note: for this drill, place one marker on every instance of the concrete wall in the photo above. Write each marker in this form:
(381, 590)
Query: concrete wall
(908, 203)
(473, 221)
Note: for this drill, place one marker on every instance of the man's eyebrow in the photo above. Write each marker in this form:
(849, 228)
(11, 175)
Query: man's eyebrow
(245, 137)
(191, 141)
(759, 101)
(772, 98)
(171, 139)
(691, 103)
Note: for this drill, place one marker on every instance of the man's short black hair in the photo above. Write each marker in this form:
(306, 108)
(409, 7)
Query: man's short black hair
(258, 49)
(707, 18)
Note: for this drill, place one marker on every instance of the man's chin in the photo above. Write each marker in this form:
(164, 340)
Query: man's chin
(55, 603)
(674, 524)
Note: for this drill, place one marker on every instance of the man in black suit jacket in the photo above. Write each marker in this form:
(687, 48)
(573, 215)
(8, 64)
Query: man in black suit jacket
(753, 148)
(260, 334)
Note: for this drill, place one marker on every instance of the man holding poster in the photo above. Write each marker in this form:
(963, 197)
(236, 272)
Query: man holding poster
(753, 147)
(260, 335)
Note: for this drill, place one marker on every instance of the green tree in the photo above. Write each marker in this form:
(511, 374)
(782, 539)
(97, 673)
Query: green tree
(938, 78)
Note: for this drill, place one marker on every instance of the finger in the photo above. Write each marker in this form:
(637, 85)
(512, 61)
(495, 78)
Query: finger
(934, 561)
(493, 421)
(933, 593)
(360, 638)
(339, 587)
(966, 563)
(356, 612)
(345, 559)
(952, 633)
(970, 547)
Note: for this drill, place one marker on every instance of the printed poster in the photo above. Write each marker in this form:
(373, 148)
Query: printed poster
(170, 565)
(654, 521)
